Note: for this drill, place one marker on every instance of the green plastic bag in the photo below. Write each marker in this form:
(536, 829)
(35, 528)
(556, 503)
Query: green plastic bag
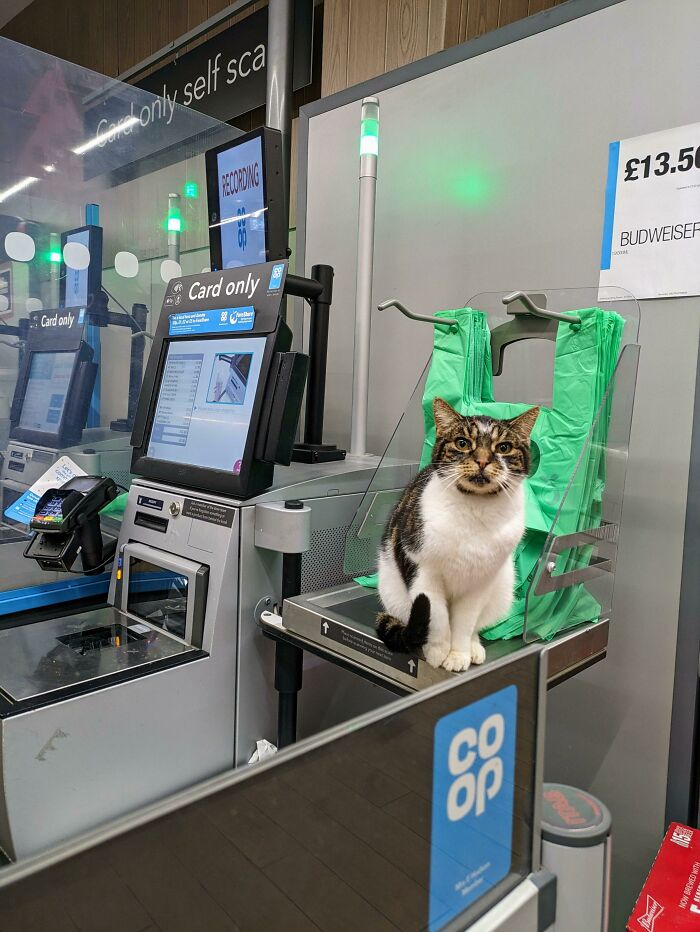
(585, 358)
(116, 508)
(584, 362)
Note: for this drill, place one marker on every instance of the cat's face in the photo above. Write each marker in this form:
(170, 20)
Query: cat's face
(482, 455)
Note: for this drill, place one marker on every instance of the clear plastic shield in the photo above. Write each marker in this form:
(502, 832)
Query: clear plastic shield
(565, 563)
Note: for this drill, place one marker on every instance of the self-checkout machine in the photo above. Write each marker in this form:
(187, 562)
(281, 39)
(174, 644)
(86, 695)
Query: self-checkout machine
(172, 682)
(55, 402)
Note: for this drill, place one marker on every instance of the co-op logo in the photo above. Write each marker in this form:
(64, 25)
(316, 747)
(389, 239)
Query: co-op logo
(478, 770)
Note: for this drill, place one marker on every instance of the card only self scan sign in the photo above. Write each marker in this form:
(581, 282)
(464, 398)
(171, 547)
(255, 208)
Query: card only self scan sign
(473, 799)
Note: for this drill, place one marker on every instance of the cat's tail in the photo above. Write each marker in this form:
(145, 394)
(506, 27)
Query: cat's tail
(406, 638)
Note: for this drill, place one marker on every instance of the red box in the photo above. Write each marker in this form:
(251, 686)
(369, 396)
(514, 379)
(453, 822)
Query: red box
(670, 897)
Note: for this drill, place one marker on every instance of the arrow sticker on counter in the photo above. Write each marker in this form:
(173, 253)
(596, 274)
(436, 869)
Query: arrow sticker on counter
(371, 646)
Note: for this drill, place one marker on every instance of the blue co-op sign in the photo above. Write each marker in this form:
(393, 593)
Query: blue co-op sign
(473, 799)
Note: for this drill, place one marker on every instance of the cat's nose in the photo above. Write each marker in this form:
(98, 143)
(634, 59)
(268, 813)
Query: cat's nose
(483, 461)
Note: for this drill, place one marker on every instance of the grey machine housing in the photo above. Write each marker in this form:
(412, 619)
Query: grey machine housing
(87, 738)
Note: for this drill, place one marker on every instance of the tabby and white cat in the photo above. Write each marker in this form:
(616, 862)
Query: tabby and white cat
(445, 565)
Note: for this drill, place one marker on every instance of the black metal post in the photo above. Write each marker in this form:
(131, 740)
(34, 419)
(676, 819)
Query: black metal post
(318, 355)
(313, 449)
(289, 660)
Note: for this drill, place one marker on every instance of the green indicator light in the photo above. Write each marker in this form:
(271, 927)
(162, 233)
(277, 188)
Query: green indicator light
(54, 256)
(369, 137)
(191, 189)
(174, 224)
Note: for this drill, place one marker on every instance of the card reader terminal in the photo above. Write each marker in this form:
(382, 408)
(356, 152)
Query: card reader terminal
(67, 522)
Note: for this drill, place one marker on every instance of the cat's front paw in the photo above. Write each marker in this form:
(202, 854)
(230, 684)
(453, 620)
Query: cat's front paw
(457, 661)
(478, 652)
(435, 654)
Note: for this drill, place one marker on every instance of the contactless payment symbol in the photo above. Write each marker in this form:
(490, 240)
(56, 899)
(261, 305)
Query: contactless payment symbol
(472, 812)
(276, 276)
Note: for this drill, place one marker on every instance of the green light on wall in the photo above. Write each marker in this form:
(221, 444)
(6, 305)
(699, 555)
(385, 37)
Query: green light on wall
(54, 254)
(191, 189)
(369, 137)
(472, 188)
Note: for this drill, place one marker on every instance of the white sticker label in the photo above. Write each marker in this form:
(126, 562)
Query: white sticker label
(651, 230)
(55, 476)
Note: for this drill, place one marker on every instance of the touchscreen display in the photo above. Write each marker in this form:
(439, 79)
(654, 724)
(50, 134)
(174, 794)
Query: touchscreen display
(46, 392)
(241, 204)
(77, 279)
(205, 402)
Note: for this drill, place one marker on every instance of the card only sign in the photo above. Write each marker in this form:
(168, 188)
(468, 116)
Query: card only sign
(473, 801)
(225, 76)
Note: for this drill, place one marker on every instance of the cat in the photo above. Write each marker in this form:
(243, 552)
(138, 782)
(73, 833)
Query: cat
(445, 563)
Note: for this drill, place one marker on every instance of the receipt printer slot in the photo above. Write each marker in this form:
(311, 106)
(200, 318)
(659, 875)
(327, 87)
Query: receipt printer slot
(152, 522)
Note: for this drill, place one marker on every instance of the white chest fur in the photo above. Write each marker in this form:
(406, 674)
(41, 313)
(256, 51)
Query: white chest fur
(467, 538)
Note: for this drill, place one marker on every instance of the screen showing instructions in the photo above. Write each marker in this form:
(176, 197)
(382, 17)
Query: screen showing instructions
(205, 402)
(242, 205)
(47, 388)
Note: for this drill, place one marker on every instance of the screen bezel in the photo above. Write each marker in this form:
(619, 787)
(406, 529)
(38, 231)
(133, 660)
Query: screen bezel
(94, 270)
(254, 475)
(68, 430)
(276, 232)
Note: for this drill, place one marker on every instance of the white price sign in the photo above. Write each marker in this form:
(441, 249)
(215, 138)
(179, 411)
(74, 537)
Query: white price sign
(651, 230)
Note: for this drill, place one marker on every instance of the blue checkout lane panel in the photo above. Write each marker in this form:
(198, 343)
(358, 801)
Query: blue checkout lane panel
(473, 798)
(30, 598)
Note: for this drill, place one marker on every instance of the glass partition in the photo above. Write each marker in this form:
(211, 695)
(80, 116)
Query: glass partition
(102, 202)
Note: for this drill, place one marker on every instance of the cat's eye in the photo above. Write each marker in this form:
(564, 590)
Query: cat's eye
(504, 447)
(461, 442)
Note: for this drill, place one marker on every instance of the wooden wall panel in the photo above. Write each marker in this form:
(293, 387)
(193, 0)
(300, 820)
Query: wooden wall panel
(511, 11)
(536, 6)
(126, 35)
(336, 26)
(110, 26)
(196, 12)
(142, 31)
(406, 32)
(178, 15)
(482, 17)
(160, 30)
(443, 24)
(367, 39)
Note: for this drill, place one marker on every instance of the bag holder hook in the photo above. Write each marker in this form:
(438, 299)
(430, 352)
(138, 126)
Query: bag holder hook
(532, 321)
(425, 318)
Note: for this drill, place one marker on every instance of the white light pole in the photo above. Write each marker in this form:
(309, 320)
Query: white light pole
(369, 150)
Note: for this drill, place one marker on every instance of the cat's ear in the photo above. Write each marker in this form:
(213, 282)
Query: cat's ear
(524, 422)
(446, 418)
